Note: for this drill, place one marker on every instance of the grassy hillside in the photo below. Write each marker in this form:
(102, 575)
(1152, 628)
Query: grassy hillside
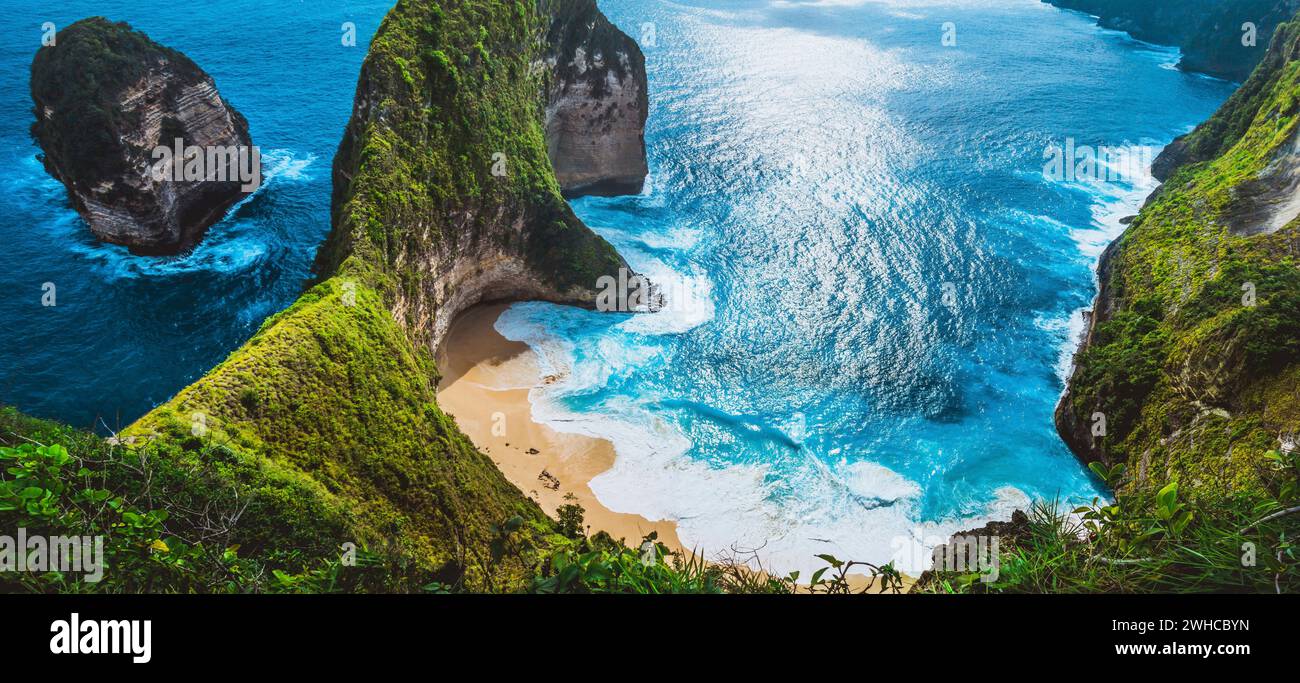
(340, 388)
(323, 428)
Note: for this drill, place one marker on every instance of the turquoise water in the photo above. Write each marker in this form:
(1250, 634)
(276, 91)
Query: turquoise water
(873, 289)
(819, 173)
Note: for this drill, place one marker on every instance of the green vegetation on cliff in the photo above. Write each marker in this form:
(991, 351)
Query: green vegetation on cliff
(323, 428)
(1147, 541)
(332, 393)
(173, 518)
(1186, 394)
(1192, 358)
(187, 514)
(447, 143)
(338, 392)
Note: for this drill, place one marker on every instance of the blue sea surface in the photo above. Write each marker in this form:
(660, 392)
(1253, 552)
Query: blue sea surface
(878, 291)
(873, 291)
(128, 332)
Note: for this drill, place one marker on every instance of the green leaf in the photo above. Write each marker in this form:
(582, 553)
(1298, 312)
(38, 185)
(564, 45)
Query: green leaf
(831, 560)
(1167, 496)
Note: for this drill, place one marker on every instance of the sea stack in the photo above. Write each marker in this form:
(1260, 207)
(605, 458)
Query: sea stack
(596, 105)
(113, 109)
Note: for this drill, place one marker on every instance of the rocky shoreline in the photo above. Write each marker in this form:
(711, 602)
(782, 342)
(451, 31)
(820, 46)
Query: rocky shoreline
(1186, 369)
(1222, 39)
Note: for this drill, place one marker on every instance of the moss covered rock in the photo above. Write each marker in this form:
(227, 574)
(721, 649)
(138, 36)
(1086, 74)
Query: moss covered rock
(1192, 357)
(444, 197)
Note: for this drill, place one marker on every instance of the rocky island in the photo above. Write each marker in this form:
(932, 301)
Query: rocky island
(596, 104)
(150, 153)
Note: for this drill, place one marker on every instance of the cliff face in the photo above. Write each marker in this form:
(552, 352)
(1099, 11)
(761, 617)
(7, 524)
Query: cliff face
(444, 193)
(444, 196)
(1209, 32)
(106, 97)
(596, 103)
(1192, 349)
(1226, 128)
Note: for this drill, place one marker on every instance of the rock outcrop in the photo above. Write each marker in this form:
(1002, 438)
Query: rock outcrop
(1226, 127)
(470, 212)
(1191, 361)
(596, 103)
(444, 197)
(1224, 38)
(107, 97)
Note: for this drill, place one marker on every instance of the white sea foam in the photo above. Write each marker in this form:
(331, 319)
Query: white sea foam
(286, 165)
(222, 250)
(1111, 203)
(688, 296)
(859, 510)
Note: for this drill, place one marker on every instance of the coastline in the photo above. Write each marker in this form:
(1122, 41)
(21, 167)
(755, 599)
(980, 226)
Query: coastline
(486, 380)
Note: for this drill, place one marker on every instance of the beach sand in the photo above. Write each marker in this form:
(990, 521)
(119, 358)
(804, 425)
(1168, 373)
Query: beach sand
(485, 385)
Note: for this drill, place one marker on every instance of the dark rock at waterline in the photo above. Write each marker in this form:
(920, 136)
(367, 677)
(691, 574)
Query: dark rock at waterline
(106, 97)
(1010, 534)
(1223, 38)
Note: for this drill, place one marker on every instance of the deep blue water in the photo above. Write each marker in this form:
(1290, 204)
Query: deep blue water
(129, 332)
(872, 286)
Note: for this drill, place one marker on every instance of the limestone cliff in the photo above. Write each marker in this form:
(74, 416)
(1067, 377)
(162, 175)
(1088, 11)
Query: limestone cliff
(1212, 33)
(444, 196)
(469, 209)
(106, 97)
(596, 103)
(1190, 370)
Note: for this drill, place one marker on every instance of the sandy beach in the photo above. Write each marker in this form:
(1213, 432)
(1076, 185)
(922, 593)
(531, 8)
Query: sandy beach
(485, 385)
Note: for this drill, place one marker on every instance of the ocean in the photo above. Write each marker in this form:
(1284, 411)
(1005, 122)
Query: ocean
(873, 287)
